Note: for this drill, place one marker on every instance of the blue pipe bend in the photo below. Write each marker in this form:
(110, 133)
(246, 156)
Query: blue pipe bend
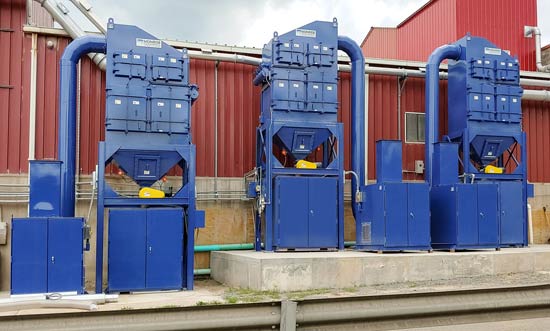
(353, 50)
(432, 101)
(67, 114)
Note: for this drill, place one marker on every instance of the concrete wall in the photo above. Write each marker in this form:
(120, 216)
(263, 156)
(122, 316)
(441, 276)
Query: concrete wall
(227, 221)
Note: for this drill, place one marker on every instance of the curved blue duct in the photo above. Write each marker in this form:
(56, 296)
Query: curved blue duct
(353, 50)
(67, 114)
(432, 100)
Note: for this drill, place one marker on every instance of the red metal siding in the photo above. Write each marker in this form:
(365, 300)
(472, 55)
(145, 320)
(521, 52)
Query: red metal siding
(382, 120)
(202, 115)
(501, 22)
(14, 73)
(536, 123)
(430, 27)
(92, 114)
(238, 111)
(344, 114)
(47, 103)
(380, 43)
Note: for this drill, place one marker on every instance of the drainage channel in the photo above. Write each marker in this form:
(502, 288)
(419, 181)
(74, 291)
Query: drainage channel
(378, 312)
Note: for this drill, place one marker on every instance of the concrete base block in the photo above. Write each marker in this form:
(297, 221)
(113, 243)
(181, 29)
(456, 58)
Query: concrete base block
(300, 271)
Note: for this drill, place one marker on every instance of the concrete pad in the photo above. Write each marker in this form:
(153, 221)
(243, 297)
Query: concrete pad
(295, 271)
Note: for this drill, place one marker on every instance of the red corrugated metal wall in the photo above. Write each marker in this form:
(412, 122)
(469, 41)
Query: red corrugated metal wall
(381, 43)
(430, 27)
(238, 108)
(238, 111)
(501, 22)
(14, 74)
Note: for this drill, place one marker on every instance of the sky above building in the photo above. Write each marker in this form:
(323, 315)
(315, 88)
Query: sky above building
(252, 22)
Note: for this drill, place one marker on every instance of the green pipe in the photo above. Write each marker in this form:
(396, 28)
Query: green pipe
(200, 272)
(239, 247)
(223, 247)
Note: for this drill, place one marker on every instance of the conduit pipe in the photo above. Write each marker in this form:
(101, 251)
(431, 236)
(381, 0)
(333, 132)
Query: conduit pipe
(67, 114)
(432, 101)
(528, 32)
(86, 9)
(61, 15)
(350, 47)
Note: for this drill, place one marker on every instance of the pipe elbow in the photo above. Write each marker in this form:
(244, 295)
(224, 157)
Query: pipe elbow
(442, 53)
(83, 45)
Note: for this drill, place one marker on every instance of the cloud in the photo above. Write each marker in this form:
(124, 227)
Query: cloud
(252, 22)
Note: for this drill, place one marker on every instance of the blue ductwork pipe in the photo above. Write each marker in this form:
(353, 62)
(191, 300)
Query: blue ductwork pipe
(353, 50)
(67, 115)
(432, 100)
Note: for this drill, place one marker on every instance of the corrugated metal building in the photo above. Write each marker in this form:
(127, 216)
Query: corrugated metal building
(230, 100)
(440, 22)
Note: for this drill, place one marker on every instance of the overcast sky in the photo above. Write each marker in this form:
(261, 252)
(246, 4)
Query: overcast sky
(252, 22)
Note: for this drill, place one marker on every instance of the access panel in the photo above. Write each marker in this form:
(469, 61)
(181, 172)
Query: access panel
(512, 219)
(466, 214)
(323, 212)
(164, 248)
(487, 203)
(127, 240)
(291, 212)
(418, 209)
(396, 214)
(29, 255)
(65, 255)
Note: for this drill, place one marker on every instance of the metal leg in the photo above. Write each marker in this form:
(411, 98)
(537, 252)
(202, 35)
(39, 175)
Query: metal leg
(100, 219)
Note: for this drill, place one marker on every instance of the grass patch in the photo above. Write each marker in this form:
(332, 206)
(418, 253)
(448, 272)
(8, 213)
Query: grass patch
(234, 295)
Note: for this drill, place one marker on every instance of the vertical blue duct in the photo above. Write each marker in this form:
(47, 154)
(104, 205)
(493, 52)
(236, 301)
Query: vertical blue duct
(432, 101)
(353, 50)
(67, 115)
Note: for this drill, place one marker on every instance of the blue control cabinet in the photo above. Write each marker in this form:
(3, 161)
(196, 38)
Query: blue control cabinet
(397, 217)
(465, 216)
(145, 249)
(47, 255)
(305, 212)
(396, 214)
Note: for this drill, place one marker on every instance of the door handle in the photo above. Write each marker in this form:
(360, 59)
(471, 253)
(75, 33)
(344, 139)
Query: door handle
(150, 249)
(53, 259)
(411, 214)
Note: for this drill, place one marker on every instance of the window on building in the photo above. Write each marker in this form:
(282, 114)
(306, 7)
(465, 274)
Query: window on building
(414, 127)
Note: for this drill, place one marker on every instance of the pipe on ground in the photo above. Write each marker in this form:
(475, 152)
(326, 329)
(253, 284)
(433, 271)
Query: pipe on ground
(38, 304)
(354, 52)
(67, 114)
(432, 101)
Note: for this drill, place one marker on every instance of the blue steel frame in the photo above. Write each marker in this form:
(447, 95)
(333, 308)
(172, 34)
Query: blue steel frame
(172, 149)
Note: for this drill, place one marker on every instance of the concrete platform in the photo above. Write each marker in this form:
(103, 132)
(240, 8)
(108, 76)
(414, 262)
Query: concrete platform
(316, 270)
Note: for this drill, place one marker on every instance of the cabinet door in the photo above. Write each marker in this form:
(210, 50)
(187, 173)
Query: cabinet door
(164, 248)
(512, 217)
(396, 215)
(65, 255)
(127, 231)
(418, 214)
(291, 212)
(323, 213)
(466, 214)
(487, 203)
(29, 255)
